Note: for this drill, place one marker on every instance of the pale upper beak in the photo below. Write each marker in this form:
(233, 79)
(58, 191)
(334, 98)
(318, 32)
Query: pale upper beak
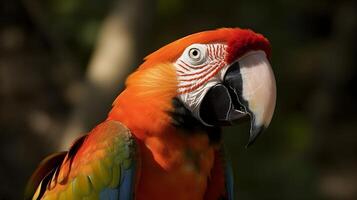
(259, 91)
(248, 88)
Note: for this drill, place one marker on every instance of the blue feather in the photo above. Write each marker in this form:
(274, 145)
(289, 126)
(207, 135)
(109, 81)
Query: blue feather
(125, 190)
(228, 175)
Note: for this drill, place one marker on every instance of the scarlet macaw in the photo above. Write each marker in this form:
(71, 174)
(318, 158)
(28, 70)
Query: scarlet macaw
(162, 138)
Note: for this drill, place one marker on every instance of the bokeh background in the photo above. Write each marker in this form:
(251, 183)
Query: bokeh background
(62, 62)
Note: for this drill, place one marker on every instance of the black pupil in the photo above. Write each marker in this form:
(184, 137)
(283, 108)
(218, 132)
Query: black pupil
(194, 52)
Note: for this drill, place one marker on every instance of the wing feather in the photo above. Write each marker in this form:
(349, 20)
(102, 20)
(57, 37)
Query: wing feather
(96, 165)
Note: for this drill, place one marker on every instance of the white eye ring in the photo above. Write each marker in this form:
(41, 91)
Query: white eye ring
(197, 54)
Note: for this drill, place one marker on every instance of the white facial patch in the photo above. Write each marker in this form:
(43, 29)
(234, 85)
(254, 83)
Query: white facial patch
(200, 67)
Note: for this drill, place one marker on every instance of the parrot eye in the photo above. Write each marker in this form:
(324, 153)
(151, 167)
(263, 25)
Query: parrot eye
(197, 54)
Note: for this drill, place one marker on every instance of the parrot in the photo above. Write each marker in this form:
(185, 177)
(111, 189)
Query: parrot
(162, 138)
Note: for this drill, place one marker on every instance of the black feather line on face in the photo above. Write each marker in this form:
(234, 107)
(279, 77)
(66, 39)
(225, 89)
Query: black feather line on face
(183, 119)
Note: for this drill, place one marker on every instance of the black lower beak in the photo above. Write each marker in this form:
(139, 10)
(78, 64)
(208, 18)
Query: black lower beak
(217, 107)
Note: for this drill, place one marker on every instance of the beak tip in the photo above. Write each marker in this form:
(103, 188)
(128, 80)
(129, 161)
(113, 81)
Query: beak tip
(255, 131)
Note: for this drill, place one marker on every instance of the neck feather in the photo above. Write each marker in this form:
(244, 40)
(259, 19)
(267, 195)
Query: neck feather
(146, 107)
(145, 103)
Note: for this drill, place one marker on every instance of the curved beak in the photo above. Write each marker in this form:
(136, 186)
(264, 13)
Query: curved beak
(248, 89)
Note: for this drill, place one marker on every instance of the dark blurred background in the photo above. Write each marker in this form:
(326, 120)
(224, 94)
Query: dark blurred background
(62, 62)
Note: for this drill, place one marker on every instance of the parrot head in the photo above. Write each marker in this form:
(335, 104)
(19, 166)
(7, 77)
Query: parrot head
(208, 79)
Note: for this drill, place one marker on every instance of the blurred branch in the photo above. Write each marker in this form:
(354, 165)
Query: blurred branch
(112, 60)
